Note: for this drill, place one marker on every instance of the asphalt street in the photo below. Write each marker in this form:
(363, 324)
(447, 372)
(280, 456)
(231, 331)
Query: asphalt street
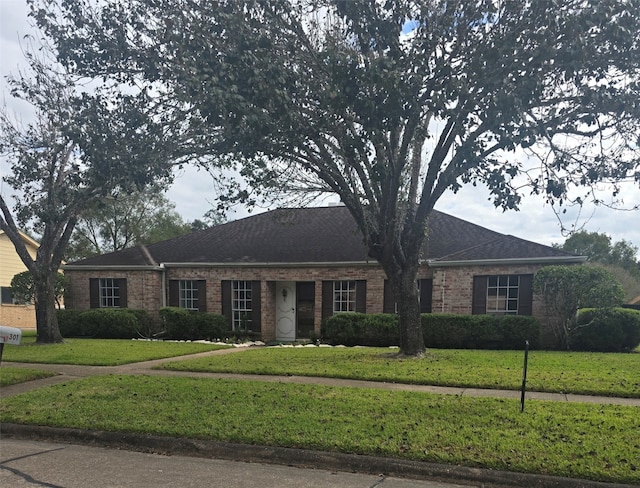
(34, 464)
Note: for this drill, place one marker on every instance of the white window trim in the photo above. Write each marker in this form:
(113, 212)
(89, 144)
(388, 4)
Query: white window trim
(188, 294)
(344, 296)
(497, 297)
(241, 306)
(109, 293)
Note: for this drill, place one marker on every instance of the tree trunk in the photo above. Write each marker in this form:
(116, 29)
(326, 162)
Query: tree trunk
(47, 328)
(410, 324)
(405, 289)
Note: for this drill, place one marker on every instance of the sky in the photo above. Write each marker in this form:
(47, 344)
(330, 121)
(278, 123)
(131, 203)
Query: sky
(193, 194)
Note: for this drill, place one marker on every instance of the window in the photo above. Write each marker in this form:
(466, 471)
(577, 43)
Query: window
(503, 294)
(6, 295)
(109, 293)
(344, 296)
(188, 291)
(241, 305)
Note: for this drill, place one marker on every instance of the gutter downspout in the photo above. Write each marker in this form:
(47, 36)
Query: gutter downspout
(164, 285)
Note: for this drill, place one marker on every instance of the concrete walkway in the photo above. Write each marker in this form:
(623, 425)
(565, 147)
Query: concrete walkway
(67, 372)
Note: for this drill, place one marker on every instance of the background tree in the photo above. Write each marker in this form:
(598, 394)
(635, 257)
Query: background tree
(23, 289)
(599, 248)
(387, 104)
(81, 147)
(566, 289)
(619, 258)
(124, 220)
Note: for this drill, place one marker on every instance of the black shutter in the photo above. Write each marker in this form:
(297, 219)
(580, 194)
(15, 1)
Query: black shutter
(388, 300)
(525, 295)
(256, 306)
(226, 303)
(327, 299)
(202, 296)
(94, 292)
(361, 296)
(174, 293)
(479, 303)
(122, 286)
(426, 295)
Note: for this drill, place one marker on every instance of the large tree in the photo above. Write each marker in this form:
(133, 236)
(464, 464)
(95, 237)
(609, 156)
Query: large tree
(81, 146)
(124, 220)
(388, 104)
(599, 248)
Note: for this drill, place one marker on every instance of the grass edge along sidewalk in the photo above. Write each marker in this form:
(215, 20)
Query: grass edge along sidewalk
(601, 374)
(596, 442)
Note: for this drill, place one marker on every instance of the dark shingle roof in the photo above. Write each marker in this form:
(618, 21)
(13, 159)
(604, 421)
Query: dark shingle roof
(319, 235)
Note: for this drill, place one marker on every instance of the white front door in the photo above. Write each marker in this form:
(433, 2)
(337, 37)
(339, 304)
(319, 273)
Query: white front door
(286, 311)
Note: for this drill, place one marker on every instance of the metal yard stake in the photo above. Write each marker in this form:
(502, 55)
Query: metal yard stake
(524, 375)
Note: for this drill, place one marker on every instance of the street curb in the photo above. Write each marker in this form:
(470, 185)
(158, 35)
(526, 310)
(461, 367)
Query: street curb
(301, 458)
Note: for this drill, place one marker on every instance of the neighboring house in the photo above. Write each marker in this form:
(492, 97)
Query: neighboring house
(282, 272)
(11, 313)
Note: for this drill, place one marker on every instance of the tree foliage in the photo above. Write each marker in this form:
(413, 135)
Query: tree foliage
(619, 258)
(387, 104)
(81, 147)
(566, 289)
(124, 220)
(23, 288)
(599, 248)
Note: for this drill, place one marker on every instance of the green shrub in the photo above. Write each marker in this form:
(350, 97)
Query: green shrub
(358, 329)
(607, 330)
(147, 327)
(183, 324)
(514, 330)
(70, 323)
(442, 331)
(106, 323)
(458, 331)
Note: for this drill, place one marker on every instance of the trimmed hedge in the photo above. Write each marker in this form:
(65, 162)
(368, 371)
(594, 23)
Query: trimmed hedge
(606, 330)
(183, 324)
(105, 323)
(359, 329)
(442, 331)
(459, 331)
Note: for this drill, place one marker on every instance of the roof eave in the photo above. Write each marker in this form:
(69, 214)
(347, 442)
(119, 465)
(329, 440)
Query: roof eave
(110, 267)
(434, 263)
(301, 264)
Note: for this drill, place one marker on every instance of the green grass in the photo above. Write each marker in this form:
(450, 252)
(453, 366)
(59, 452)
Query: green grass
(599, 442)
(567, 372)
(100, 352)
(11, 376)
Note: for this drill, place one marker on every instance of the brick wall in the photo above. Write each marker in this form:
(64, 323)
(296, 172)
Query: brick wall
(21, 316)
(452, 286)
(143, 289)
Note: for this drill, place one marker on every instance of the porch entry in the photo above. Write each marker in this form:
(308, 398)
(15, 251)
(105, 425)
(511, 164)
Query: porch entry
(295, 303)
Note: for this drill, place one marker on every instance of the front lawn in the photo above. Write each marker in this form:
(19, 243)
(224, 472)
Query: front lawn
(11, 376)
(568, 372)
(599, 442)
(100, 352)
